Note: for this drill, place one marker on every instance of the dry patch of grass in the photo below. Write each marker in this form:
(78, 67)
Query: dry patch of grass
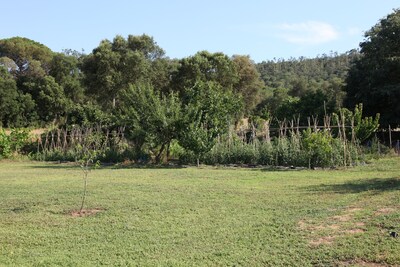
(85, 212)
(338, 226)
(385, 211)
(325, 240)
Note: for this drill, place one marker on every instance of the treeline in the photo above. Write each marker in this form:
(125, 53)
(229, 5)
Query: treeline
(40, 87)
(305, 87)
(131, 83)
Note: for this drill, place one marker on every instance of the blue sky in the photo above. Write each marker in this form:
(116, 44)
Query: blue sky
(262, 29)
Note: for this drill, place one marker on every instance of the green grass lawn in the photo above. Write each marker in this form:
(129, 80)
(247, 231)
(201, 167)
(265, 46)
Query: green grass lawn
(200, 217)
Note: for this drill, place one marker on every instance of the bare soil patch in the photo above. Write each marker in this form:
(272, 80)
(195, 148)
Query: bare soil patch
(354, 231)
(85, 212)
(353, 209)
(325, 240)
(342, 218)
(384, 211)
(336, 228)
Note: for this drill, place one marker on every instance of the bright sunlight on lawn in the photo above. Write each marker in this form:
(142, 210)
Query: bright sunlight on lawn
(199, 217)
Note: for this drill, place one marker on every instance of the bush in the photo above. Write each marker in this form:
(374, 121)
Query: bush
(318, 146)
(12, 144)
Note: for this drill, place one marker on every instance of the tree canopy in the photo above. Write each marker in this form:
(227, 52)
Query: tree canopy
(374, 79)
(23, 51)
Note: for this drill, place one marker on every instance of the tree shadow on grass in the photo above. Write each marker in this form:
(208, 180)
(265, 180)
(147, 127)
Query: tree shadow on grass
(372, 185)
(281, 168)
(56, 165)
(114, 166)
(146, 166)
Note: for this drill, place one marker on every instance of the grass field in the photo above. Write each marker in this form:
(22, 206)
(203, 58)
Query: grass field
(200, 217)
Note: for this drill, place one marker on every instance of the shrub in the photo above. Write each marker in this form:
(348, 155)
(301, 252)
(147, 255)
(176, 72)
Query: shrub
(318, 146)
(12, 144)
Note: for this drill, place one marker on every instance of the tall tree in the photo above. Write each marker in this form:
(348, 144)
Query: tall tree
(66, 72)
(23, 51)
(16, 108)
(112, 66)
(49, 97)
(249, 83)
(208, 112)
(374, 79)
(206, 67)
(8, 98)
(152, 118)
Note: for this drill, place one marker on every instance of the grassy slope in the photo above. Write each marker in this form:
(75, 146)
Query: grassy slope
(200, 217)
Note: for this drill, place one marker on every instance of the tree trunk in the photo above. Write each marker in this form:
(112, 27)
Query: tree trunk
(168, 151)
(158, 157)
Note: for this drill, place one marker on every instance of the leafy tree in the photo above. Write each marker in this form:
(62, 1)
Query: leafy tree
(334, 91)
(249, 83)
(102, 76)
(8, 98)
(66, 72)
(112, 66)
(152, 117)
(161, 74)
(146, 45)
(314, 104)
(205, 67)
(23, 51)
(49, 98)
(374, 79)
(16, 108)
(86, 114)
(209, 110)
(279, 105)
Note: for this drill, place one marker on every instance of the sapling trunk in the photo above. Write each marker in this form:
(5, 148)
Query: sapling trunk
(85, 176)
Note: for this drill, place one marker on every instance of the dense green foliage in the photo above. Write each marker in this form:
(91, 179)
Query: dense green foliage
(374, 80)
(130, 83)
(199, 217)
(304, 87)
(13, 142)
(151, 119)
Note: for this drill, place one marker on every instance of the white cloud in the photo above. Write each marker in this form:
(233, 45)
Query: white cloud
(308, 33)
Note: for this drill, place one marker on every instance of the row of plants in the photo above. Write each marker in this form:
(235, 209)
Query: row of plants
(253, 142)
(75, 143)
(308, 148)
